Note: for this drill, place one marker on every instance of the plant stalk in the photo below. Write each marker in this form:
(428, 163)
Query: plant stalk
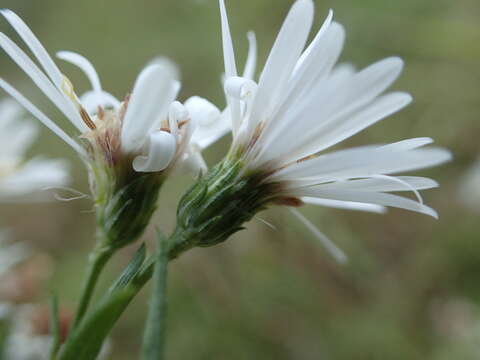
(153, 347)
(98, 258)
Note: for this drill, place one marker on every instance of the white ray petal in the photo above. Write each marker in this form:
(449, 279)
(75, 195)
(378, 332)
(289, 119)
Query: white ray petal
(346, 205)
(211, 124)
(380, 184)
(313, 72)
(160, 150)
(85, 65)
(230, 66)
(328, 244)
(35, 46)
(409, 144)
(345, 125)
(44, 84)
(314, 44)
(383, 199)
(281, 62)
(316, 122)
(251, 63)
(42, 117)
(364, 162)
(322, 56)
(148, 105)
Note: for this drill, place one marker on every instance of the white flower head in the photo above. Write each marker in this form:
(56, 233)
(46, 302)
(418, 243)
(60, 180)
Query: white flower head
(22, 179)
(302, 105)
(129, 146)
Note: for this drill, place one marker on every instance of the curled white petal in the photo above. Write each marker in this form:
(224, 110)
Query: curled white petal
(239, 87)
(160, 151)
(230, 66)
(251, 63)
(85, 65)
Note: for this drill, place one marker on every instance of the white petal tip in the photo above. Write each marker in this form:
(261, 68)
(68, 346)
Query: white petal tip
(6, 12)
(305, 6)
(427, 211)
(396, 62)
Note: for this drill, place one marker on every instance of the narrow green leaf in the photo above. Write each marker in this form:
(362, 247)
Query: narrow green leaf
(87, 339)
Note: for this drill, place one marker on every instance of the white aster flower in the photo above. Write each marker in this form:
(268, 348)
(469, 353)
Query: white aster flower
(131, 146)
(118, 129)
(21, 179)
(302, 105)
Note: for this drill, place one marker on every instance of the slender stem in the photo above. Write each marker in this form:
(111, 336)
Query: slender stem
(87, 338)
(96, 262)
(54, 327)
(153, 347)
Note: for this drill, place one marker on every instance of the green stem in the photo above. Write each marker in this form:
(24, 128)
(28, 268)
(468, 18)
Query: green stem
(98, 258)
(54, 327)
(86, 339)
(154, 337)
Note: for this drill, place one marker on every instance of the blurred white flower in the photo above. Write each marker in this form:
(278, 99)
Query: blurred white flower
(469, 189)
(11, 254)
(22, 179)
(30, 339)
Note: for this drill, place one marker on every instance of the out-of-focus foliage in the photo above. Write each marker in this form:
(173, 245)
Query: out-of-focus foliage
(411, 289)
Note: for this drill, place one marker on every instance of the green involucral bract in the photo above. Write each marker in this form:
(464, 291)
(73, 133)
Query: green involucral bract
(125, 201)
(218, 205)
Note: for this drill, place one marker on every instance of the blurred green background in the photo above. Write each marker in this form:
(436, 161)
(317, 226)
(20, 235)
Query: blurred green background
(411, 289)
